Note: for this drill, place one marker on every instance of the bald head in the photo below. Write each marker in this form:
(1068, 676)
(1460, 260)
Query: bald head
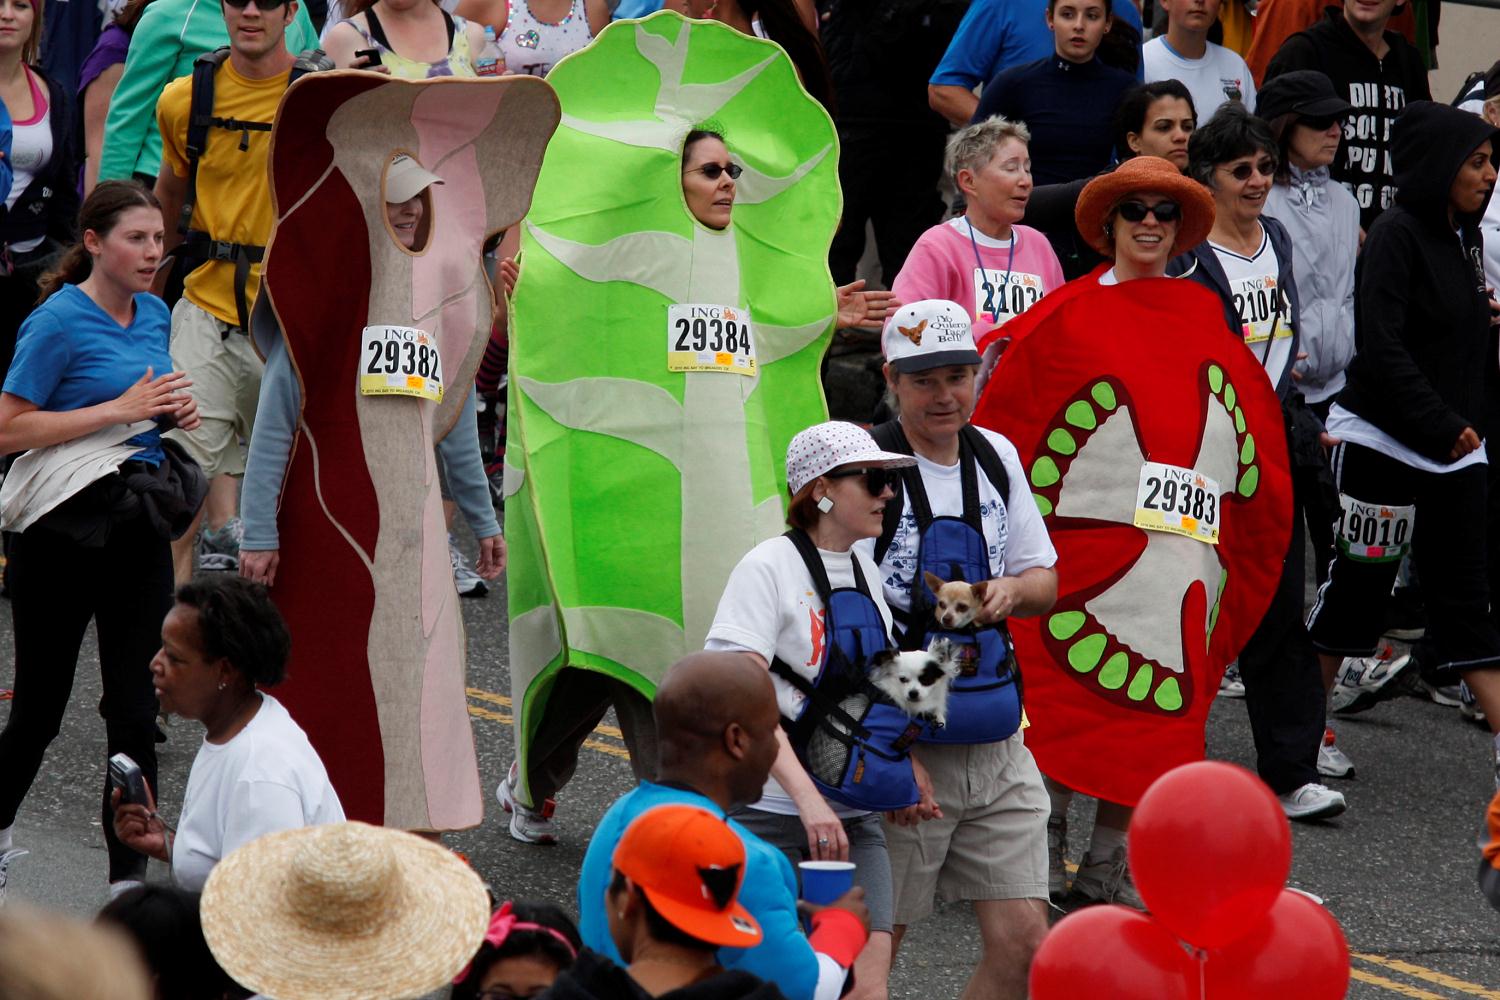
(716, 720)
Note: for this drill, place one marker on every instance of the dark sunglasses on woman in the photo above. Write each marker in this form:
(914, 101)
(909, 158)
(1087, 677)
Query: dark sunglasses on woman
(1242, 172)
(713, 171)
(1136, 211)
(876, 480)
(260, 4)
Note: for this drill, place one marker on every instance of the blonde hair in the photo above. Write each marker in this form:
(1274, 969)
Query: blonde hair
(44, 956)
(972, 146)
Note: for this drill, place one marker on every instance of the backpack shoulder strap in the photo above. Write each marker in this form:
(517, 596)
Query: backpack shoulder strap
(989, 461)
(200, 120)
(814, 562)
(890, 437)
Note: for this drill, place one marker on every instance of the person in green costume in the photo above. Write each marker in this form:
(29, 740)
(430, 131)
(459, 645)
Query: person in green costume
(667, 331)
(168, 37)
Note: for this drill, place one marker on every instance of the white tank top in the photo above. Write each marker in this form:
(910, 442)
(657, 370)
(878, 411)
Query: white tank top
(532, 47)
(30, 152)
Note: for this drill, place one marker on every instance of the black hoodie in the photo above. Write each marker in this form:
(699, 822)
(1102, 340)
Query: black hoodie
(1378, 89)
(1421, 313)
(594, 977)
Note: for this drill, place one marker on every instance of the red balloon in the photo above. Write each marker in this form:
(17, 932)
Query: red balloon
(1297, 950)
(1111, 951)
(1210, 849)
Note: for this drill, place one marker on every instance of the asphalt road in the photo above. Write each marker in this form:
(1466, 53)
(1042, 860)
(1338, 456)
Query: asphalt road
(1397, 869)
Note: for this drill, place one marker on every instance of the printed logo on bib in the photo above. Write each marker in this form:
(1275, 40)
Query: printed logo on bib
(1255, 301)
(1372, 532)
(998, 301)
(1178, 500)
(401, 361)
(710, 338)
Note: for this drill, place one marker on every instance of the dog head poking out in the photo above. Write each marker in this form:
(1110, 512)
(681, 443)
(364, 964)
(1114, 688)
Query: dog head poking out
(918, 681)
(913, 333)
(958, 603)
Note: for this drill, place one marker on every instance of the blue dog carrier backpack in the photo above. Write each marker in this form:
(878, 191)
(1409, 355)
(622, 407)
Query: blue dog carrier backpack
(852, 739)
(984, 700)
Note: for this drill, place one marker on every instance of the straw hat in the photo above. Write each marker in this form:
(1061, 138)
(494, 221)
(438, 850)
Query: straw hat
(347, 911)
(1139, 175)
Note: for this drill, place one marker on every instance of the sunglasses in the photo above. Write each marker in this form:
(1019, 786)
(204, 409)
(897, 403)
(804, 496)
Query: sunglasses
(1243, 171)
(1136, 211)
(876, 480)
(259, 4)
(713, 171)
(1318, 124)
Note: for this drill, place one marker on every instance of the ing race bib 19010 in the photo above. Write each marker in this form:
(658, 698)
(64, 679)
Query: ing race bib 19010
(1373, 532)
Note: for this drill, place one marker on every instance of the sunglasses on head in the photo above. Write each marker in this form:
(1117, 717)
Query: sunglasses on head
(713, 171)
(1136, 211)
(876, 480)
(1242, 171)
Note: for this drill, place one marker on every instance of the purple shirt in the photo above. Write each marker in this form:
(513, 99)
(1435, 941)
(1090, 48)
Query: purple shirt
(108, 50)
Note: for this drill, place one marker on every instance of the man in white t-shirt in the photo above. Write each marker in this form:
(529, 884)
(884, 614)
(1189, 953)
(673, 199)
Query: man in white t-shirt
(1211, 73)
(988, 844)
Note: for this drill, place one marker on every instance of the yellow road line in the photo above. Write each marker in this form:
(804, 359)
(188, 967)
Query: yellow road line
(503, 701)
(1429, 975)
(612, 750)
(1395, 987)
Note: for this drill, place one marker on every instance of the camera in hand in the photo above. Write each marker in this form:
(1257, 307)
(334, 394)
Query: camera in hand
(125, 774)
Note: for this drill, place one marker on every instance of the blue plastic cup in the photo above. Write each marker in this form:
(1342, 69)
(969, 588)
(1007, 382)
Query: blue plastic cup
(825, 881)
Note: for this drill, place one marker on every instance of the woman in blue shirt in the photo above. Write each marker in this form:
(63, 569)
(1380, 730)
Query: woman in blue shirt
(1068, 99)
(87, 361)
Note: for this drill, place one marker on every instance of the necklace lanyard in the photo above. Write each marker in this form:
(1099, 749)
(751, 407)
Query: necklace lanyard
(989, 289)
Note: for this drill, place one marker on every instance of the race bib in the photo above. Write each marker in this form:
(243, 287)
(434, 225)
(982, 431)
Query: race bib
(401, 361)
(709, 338)
(1255, 301)
(1372, 532)
(998, 300)
(1184, 502)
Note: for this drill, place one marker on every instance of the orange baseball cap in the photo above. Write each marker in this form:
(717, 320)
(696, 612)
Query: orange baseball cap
(690, 865)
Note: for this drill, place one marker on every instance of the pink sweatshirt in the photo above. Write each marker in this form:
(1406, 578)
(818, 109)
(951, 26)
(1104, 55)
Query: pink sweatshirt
(942, 266)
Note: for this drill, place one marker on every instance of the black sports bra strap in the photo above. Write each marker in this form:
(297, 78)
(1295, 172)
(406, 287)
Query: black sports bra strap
(377, 30)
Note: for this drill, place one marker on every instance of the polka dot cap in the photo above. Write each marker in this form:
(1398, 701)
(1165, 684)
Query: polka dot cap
(824, 447)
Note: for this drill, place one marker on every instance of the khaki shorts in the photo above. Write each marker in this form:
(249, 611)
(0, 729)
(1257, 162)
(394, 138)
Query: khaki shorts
(992, 840)
(226, 383)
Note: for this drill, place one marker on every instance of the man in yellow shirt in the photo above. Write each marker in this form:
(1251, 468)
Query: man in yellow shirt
(230, 223)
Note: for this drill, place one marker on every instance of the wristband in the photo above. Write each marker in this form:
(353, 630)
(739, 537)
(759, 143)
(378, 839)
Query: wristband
(838, 934)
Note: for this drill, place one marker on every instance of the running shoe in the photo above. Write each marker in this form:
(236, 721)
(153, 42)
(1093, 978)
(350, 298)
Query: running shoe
(1333, 762)
(1230, 685)
(1057, 858)
(529, 826)
(1468, 705)
(219, 551)
(468, 582)
(6, 857)
(1365, 681)
(1104, 880)
(1312, 801)
(1446, 695)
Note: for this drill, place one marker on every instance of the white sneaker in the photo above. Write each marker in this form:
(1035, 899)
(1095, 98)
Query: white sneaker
(1365, 681)
(1468, 705)
(1333, 762)
(1312, 801)
(529, 826)
(1104, 880)
(1230, 685)
(6, 857)
(468, 582)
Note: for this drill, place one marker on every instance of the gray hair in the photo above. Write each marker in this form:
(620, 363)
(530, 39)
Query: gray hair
(972, 146)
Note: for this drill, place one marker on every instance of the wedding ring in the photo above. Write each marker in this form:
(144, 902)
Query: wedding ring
(822, 841)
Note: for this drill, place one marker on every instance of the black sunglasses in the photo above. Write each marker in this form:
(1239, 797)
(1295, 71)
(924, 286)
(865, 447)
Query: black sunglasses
(1318, 124)
(1243, 171)
(1136, 211)
(260, 4)
(713, 171)
(876, 480)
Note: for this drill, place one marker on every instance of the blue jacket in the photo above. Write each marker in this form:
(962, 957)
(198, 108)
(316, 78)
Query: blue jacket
(769, 892)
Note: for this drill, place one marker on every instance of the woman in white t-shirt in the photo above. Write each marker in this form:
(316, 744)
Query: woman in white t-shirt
(839, 481)
(255, 773)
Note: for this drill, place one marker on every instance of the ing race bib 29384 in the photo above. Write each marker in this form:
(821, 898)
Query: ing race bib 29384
(708, 338)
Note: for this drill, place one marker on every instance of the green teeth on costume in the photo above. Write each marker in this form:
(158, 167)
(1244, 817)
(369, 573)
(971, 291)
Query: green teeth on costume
(1169, 695)
(1249, 481)
(1229, 398)
(1044, 472)
(1140, 684)
(1104, 395)
(1061, 442)
(1081, 415)
(1112, 676)
(1215, 378)
(1239, 420)
(1042, 504)
(1084, 654)
(1247, 450)
(1065, 624)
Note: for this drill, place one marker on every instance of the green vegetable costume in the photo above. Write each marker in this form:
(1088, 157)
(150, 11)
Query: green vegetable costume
(166, 40)
(633, 490)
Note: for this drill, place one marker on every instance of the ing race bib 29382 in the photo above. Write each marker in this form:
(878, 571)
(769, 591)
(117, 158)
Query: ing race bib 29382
(400, 361)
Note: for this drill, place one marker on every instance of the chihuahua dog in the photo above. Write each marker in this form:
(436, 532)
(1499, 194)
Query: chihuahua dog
(918, 681)
(958, 603)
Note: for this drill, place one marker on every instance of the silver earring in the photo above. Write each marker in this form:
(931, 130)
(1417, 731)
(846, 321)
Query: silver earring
(222, 685)
(825, 504)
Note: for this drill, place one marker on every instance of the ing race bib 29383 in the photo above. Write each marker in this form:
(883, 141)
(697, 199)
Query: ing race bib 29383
(1177, 500)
